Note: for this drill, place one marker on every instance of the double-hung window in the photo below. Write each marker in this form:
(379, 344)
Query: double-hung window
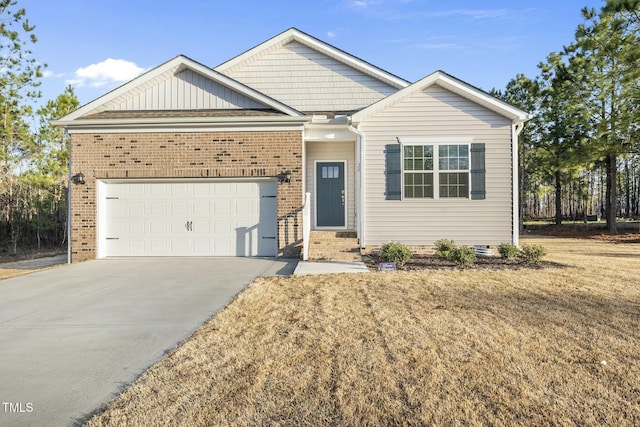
(418, 171)
(436, 171)
(453, 162)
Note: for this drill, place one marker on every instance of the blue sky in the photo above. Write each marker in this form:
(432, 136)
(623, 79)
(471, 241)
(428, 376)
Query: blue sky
(96, 45)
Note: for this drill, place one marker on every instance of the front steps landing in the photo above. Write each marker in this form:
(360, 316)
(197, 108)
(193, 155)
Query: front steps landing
(334, 245)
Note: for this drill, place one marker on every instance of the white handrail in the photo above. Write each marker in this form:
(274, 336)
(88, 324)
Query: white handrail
(306, 226)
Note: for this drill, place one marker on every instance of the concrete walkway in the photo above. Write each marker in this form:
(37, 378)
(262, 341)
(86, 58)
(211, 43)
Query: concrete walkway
(71, 338)
(329, 267)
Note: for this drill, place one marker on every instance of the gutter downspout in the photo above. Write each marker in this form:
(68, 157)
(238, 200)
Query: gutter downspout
(359, 187)
(516, 129)
(68, 138)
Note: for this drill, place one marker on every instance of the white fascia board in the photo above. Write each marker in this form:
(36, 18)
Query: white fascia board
(193, 129)
(183, 124)
(325, 48)
(457, 86)
(179, 63)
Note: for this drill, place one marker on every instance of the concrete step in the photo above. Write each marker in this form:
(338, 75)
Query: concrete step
(334, 246)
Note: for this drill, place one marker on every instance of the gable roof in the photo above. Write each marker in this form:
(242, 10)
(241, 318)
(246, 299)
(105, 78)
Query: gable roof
(293, 34)
(251, 98)
(452, 84)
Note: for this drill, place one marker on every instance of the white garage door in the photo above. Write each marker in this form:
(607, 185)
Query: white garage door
(223, 218)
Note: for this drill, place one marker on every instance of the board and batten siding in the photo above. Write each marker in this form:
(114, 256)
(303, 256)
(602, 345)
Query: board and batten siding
(186, 90)
(330, 151)
(438, 113)
(308, 80)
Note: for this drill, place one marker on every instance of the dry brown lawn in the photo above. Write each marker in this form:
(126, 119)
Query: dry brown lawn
(443, 347)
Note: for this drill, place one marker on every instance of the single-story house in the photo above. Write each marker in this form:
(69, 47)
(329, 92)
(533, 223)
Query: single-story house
(292, 147)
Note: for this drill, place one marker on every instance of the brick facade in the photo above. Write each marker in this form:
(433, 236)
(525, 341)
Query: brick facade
(185, 155)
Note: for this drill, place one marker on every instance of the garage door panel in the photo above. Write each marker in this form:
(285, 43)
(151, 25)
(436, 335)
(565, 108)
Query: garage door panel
(135, 228)
(179, 190)
(202, 208)
(135, 209)
(161, 247)
(221, 208)
(179, 208)
(223, 189)
(159, 208)
(201, 228)
(179, 247)
(246, 208)
(191, 219)
(158, 190)
(159, 227)
(223, 227)
(134, 191)
(134, 247)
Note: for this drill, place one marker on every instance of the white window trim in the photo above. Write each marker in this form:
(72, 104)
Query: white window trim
(436, 143)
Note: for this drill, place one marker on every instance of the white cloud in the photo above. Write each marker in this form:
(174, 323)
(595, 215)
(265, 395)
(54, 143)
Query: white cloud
(49, 73)
(362, 4)
(331, 34)
(105, 73)
(472, 13)
(437, 46)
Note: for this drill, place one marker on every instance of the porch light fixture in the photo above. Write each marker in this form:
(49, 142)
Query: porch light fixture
(284, 176)
(78, 178)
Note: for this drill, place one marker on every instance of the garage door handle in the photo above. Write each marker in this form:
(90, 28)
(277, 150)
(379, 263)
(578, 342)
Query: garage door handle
(267, 237)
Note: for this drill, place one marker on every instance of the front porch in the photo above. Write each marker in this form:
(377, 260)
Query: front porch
(332, 191)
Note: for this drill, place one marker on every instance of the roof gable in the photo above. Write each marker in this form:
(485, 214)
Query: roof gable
(452, 84)
(181, 84)
(311, 75)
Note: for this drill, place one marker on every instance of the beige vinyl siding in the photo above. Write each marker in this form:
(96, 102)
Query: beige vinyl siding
(438, 113)
(325, 151)
(186, 90)
(308, 80)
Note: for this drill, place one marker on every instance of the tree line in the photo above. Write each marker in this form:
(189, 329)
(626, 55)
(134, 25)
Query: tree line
(580, 152)
(33, 154)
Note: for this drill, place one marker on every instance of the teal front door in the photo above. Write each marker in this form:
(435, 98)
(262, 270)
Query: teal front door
(330, 194)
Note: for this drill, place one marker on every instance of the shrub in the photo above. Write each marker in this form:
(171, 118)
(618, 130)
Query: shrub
(532, 254)
(508, 250)
(395, 252)
(443, 246)
(462, 256)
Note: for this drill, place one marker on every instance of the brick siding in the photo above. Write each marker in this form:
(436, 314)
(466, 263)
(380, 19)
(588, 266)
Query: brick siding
(185, 155)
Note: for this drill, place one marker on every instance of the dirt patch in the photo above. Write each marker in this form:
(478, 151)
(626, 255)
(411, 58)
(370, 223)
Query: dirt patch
(26, 254)
(626, 234)
(30, 261)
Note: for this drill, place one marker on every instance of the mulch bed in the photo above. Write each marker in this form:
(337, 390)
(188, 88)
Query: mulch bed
(434, 262)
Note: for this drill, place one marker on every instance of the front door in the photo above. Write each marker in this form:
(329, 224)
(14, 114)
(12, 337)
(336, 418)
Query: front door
(330, 197)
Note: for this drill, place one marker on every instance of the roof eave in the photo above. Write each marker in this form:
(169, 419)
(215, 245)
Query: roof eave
(185, 123)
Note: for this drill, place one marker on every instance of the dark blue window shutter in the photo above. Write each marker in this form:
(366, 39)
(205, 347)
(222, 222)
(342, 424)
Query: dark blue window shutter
(478, 172)
(393, 172)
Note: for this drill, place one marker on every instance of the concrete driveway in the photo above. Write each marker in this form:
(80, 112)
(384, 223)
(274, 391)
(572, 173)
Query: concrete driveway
(71, 338)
